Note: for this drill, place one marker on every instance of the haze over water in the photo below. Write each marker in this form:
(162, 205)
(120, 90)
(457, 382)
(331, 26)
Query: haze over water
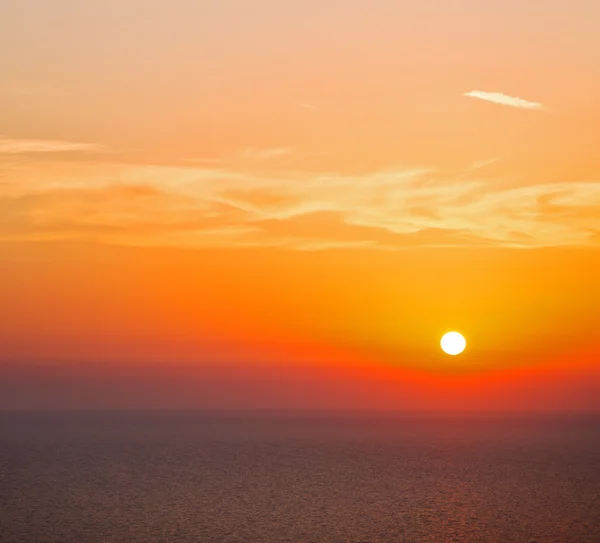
(257, 477)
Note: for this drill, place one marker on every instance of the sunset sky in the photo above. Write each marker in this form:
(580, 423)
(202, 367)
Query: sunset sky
(285, 203)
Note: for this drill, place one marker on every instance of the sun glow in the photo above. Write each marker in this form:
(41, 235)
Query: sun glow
(453, 343)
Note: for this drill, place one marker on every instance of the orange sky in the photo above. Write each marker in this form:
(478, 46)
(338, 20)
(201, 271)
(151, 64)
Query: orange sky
(286, 204)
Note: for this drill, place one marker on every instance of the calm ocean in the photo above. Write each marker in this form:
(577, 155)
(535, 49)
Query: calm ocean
(343, 478)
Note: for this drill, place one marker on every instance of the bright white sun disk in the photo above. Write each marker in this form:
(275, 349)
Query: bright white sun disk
(453, 343)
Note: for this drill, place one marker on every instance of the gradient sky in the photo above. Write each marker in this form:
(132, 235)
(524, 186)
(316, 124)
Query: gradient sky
(231, 204)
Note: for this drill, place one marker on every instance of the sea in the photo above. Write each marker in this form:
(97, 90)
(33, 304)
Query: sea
(271, 477)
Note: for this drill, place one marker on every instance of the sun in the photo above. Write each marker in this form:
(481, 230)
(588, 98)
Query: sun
(453, 343)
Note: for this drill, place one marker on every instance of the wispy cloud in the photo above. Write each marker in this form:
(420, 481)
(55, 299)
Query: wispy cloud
(252, 153)
(245, 154)
(286, 209)
(15, 146)
(480, 164)
(206, 160)
(308, 106)
(504, 99)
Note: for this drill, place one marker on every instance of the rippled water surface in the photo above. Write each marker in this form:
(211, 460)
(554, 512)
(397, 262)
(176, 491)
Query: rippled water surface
(187, 477)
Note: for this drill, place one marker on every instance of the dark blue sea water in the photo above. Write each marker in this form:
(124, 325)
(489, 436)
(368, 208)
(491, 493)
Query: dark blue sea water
(220, 478)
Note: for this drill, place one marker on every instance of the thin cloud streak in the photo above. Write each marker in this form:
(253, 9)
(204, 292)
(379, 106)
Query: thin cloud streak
(12, 146)
(480, 164)
(246, 154)
(504, 99)
(252, 153)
